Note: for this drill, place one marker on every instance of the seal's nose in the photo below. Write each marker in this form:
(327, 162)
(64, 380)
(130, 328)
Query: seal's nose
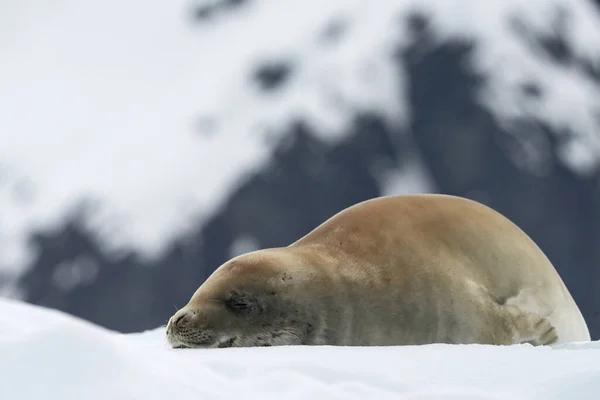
(178, 318)
(182, 318)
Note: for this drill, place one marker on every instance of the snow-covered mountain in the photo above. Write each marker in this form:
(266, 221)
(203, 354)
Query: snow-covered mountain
(142, 143)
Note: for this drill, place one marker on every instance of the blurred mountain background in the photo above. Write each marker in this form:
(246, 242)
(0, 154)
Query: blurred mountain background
(142, 144)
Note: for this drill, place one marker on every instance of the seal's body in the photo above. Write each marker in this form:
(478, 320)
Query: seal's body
(397, 270)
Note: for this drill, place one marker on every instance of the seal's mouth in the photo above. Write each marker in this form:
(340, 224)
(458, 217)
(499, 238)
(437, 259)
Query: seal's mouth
(226, 343)
(222, 343)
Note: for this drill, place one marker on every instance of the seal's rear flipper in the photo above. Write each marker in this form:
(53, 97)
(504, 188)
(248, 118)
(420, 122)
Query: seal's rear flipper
(545, 333)
(531, 328)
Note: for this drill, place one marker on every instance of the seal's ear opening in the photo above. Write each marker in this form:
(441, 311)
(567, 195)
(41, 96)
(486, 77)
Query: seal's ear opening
(242, 303)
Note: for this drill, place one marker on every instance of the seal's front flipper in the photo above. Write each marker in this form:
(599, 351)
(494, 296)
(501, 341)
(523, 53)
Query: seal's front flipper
(532, 328)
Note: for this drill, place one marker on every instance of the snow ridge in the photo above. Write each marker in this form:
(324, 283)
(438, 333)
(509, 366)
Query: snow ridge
(48, 354)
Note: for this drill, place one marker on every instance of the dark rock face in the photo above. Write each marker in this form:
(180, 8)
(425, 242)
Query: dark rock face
(272, 75)
(209, 11)
(466, 151)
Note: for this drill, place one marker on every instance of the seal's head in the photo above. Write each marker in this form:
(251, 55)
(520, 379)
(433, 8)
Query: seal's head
(252, 300)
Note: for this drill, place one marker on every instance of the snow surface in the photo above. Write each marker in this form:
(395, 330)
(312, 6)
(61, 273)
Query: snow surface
(50, 355)
(152, 121)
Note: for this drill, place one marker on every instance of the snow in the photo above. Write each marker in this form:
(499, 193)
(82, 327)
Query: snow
(149, 122)
(51, 355)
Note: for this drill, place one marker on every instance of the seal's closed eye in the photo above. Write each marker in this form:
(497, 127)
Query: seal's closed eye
(241, 303)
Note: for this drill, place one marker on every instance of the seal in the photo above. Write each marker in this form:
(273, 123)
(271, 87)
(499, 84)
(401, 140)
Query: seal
(394, 270)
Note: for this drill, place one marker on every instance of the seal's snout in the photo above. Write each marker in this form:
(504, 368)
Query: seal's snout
(185, 330)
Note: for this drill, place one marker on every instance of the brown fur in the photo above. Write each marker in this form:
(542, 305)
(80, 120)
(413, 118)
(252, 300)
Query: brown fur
(394, 270)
